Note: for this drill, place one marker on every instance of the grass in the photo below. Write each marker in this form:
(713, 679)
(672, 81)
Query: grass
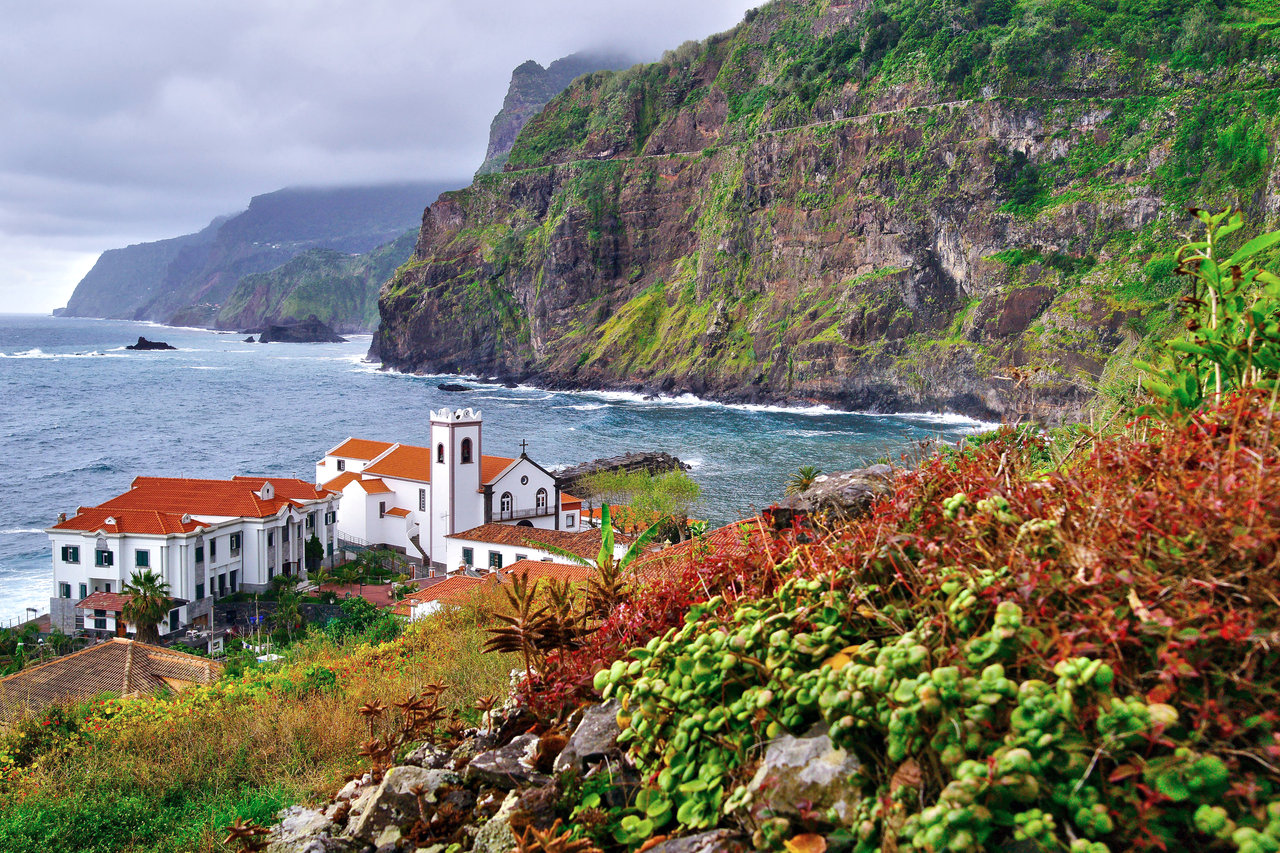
(166, 774)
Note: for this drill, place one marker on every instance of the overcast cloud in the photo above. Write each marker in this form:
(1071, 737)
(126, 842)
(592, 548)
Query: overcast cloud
(136, 120)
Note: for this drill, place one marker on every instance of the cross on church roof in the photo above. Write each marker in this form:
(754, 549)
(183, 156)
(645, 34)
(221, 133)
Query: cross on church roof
(524, 448)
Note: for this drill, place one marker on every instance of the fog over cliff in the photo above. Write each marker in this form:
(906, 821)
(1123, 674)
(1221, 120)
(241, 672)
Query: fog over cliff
(139, 120)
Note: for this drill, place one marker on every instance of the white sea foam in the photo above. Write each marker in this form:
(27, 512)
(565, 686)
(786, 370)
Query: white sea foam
(40, 354)
(590, 407)
(17, 531)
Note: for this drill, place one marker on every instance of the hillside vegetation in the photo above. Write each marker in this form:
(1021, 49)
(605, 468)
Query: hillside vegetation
(890, 205)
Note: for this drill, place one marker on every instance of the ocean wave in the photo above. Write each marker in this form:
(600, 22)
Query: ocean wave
(590, 407)
(939, 418)
(37, 353)
(20, 531)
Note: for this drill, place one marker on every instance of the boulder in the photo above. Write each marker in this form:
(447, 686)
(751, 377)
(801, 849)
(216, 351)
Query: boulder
(841, 497)
(809, 770)
(309, 331)
(144, 344)
(508, 766)
(496, 836)
(594, 738)
(394, 803)
(453, 386)
(716, 841)
(429, 756)
(251, 340)
(303, 830)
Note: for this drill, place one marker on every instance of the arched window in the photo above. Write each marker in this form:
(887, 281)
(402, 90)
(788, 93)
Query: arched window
(440, 453)
(506, 504)
(466, 451)
(540, 500)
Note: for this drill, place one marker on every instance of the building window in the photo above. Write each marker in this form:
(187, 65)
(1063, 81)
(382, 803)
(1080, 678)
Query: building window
(199, 591)
(173, 620)
(142, 559)
(103, 558)
(382, 509)
(495, 559)
(466, 451)
(100, 620)
(330, 517)
(70, 553)
(84, 591)
(271, 572)
(64, 590)
(540, 500)
(222, 584)
(271, 538)
(568, 521)
(440, 453)
(506, 503)
(422, 500)
(234, 585)
(468, 557)
(235, 544)
(342, 464)
(106, 587)
(520, 557)
(199, 553)
(213, 549)
(311, 521)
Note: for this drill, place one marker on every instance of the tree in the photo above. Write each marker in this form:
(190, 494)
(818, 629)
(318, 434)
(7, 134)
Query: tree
(640, 499)
(148, 604)
(803, 478)
(314, 554)
(288, 614)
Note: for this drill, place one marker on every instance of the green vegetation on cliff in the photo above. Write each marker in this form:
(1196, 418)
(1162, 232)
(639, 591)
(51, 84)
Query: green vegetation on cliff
(894, 206)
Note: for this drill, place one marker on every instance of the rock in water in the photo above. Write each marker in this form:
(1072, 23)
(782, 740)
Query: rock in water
(144, 344)
(309, 331)
(450, 386)
(250, 340)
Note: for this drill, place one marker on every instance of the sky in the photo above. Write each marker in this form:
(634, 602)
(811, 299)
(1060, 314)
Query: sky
(138, 120)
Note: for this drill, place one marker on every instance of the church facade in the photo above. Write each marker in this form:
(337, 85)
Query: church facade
(413, 498)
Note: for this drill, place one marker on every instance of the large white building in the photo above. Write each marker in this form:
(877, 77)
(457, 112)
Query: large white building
(205, 538)
(412, 499)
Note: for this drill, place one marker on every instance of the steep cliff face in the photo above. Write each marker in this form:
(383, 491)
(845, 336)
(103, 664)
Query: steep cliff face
(816, 207)
(532, 86)
(185, 281)
(338, 288)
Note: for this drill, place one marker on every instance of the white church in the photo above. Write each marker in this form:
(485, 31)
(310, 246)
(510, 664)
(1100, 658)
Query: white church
(442, 505)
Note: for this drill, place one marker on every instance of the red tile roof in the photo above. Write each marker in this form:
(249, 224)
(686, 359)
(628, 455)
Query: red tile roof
(374, 487)
(585, 544)
(542, 570)
(491, 467)
(398, 512)
(235, 498)
(451, 591)
(360, 448)
(404, 462)
(118, 666)
(738, 539)
(113, 602)
(340, 482)
(142, 522)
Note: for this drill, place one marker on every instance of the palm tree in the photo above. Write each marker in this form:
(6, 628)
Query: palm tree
(608, 586)
(803, 478)
(148, 604)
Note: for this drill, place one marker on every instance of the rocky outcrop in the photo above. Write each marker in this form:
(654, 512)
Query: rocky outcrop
(309, 331)
(804, 779)
(842, 496)
(144, 344)
(703, 226)
(532, 86)
(654, 462)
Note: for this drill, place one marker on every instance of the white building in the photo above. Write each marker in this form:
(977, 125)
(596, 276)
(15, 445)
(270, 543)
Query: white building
(205, 538)
(411, 499)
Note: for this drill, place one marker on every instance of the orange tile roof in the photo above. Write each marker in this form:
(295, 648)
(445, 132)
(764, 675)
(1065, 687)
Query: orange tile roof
(450, 590)
(398, 512)
(737, 539)
(360, 448)
(404, 462)
(585, 544)
(340, 482)
(542, 570)
(491, 467)
(374, 487)
(118, 666)
(568, 501)
(234, 498)
(110, 601)
(137, 521)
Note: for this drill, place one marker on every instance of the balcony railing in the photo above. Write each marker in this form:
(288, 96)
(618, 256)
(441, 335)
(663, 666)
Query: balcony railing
(513, 514)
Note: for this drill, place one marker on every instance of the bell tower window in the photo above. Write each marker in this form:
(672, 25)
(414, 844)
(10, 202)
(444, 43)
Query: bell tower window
(466, 451)
(440, 453)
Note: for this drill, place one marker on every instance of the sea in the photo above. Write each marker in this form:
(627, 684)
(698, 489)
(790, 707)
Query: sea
(82, 416)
